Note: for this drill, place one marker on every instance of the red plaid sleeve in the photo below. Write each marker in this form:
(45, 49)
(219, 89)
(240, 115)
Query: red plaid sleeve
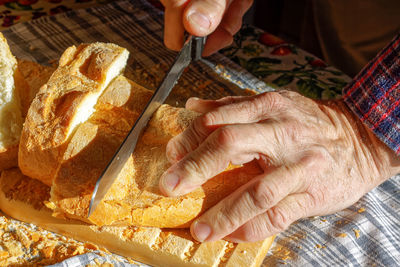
(374, 95)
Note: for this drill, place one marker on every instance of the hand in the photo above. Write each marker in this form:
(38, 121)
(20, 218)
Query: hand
(317, 157)
(220, 18)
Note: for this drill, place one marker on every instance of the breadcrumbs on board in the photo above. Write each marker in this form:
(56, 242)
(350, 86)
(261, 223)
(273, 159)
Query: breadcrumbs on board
(342, 235)
(356, 233)
(319, 246)
(361, 210)
(23, 244)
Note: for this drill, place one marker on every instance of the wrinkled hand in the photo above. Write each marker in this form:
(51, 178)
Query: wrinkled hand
(222, 18)
(317, 157)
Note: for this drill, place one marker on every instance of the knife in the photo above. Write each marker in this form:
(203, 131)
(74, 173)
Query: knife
(191, 50)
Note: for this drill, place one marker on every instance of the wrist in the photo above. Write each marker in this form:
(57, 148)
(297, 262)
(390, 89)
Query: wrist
(372, 158)
(382, 156)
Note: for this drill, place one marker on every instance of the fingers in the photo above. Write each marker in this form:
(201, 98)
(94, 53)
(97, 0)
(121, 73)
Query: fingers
(174, 29)
(230, 25)
(236, 144)
(249, 201)
(202, 17)
(220, 19)
(241, 110)
(275, 220)
(203, 106)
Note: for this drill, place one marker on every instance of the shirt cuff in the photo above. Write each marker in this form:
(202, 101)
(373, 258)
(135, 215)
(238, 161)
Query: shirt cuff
(374, 95)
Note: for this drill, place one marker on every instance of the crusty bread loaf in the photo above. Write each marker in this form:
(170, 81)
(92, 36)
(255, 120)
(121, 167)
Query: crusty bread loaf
(73, 165)
(11, 120)
(22, 198)
(135, 198)
(65, 101)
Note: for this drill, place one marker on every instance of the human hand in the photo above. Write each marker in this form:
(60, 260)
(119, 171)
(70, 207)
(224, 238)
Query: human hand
(317, 157)
(220, 19)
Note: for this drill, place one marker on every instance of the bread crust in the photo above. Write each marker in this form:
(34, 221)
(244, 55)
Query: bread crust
(72, 90)
(22, 198)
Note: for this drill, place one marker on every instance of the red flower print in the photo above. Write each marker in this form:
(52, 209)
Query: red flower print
(317, 63)
(270, 40)
(281, 51)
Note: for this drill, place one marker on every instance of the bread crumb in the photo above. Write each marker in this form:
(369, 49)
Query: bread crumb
(319, 246)
(361, 210)
(342, 235)
(3, 254)
(356, 233)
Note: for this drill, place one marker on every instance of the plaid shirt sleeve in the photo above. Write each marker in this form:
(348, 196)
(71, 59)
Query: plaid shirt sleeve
(374, 95)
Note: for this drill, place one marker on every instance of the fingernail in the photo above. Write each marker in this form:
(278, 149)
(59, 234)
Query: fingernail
(170, 181)
(202, 231)
(199, 20)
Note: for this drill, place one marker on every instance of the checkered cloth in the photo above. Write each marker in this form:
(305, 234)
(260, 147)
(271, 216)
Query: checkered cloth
(368, 233)
(374, 95)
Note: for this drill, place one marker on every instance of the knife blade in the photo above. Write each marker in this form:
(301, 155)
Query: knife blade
(191, 50)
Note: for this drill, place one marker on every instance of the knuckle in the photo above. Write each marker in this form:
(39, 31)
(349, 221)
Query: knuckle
(226, 137)
(255, 232)
(198, 129)
(315, 159)
(272, 100)
(227, 220)
(197, 168)
(261, 195)
(278, 218)
(210, 118)
(293, 131)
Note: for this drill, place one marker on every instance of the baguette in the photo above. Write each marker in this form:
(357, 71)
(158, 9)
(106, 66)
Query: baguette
(11, 82)
(22, 198)
(65, 101)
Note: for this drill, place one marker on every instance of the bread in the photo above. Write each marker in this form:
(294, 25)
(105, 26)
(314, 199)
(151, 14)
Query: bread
(64, 102)
(11, 119)
(34, 76)
(134, 199)
(22, 198)
(72, 164)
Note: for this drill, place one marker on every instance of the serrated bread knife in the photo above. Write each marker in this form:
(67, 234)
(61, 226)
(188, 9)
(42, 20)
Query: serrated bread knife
(191, 50)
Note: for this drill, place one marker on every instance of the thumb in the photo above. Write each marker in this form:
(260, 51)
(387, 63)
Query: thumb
(202, 17)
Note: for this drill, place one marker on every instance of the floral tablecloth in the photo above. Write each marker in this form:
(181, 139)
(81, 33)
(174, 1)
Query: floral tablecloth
(269, 58)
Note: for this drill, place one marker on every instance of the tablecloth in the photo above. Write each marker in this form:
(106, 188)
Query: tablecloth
(365, 234)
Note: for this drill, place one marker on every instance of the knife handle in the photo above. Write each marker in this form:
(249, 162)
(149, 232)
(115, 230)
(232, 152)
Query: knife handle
(198, 47)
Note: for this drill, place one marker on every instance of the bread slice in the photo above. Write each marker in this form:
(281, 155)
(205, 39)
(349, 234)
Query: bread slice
(22, 198)
(10, 107)
(65, 101)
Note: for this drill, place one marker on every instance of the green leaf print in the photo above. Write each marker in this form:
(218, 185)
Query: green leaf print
(283, 80)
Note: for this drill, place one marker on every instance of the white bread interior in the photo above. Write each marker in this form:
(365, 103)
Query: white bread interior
(22, 198)
(10, 107)
(64, 102)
